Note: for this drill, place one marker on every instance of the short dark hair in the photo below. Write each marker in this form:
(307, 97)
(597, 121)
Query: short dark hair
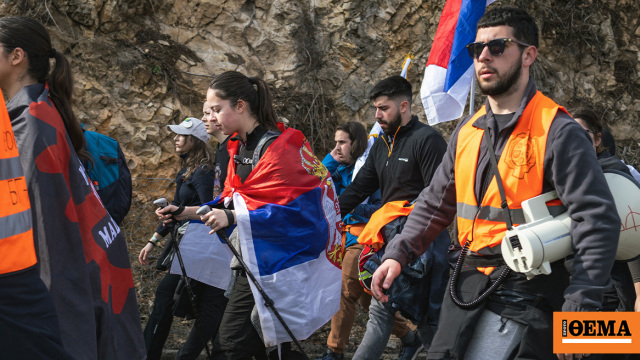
(524, 25)
(358, 136)
(394, 87)
(593, 123)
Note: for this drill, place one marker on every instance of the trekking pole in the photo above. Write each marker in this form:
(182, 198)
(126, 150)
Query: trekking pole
(162, 202)
(268, 302)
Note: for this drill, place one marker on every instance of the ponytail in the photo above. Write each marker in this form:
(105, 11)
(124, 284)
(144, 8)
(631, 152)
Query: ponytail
(61, 93)
(32, 37)
(234, 86)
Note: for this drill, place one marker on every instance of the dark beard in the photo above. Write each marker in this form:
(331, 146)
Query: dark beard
(503, 85)
(394, 125)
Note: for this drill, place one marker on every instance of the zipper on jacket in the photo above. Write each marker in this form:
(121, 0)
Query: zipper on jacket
(392, 143)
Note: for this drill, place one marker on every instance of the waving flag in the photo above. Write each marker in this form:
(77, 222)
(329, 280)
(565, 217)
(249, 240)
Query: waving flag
(449, 72)
(206, 258)
(82, 252)
(289, 225)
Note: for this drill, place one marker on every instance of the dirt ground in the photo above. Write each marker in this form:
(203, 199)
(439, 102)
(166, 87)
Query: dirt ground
(140, 225)
(147, 278)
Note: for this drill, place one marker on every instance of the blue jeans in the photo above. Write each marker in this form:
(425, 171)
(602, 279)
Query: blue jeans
(381, 320)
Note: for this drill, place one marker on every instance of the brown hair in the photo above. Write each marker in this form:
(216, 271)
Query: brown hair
(593, 123)
(199, 156)
(234, 86)
(358, 136)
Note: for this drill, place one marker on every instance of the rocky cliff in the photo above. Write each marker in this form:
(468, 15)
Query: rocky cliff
(142, 64)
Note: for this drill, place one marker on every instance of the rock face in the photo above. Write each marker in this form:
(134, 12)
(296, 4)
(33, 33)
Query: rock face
(142, 64)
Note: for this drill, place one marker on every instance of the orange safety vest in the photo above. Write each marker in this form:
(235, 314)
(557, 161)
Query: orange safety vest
(17, 250)
(521, 169)
(371, 234)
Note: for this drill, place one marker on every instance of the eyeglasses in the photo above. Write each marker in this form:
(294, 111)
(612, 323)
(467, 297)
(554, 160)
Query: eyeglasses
(496, 47)
(589, 131)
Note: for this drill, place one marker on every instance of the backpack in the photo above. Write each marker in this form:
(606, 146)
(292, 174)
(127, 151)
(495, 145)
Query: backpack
(109, 174)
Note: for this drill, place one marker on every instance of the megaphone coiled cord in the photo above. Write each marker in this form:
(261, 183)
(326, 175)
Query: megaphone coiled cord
(483, 297)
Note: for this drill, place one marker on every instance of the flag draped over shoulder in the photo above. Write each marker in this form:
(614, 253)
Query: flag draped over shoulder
(449, 72)
(289, 224)
(82, 252)
(206, 258)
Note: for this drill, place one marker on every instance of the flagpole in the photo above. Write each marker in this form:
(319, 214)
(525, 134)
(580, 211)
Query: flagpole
(472, 95)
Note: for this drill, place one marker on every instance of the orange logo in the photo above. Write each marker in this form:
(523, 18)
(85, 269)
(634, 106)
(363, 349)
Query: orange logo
(596, 332)
(520, 155)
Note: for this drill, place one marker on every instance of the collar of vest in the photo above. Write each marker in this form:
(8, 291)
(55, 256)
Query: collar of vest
(531, 91)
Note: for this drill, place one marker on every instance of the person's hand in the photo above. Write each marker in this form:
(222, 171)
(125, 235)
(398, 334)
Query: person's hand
(571, 356)
(637, 306)
(383, 277)
(334, 154)
(144, 254)
(165, 213)
(216, 219)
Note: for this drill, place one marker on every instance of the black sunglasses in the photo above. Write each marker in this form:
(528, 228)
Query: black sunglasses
(496, 47)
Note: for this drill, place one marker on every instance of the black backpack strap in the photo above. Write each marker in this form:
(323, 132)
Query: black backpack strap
(257, 154)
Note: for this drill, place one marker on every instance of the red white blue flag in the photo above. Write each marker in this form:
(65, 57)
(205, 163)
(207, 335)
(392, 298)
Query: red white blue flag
(449, 72)
(289, 229)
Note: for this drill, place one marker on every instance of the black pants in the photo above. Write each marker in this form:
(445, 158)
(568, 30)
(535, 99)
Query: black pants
(28, 321)
(237, 339)
(211, 304)
(157, 329)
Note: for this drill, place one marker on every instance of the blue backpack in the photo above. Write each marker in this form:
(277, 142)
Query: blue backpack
(109, 174)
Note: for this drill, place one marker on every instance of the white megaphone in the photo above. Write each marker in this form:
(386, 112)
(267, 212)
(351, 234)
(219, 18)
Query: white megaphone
(531, 247)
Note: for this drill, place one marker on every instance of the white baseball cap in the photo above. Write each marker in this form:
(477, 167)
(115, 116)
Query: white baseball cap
(191, 126)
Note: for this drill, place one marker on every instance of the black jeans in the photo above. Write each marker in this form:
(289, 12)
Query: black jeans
(210, 304)
(157, 329)
(237, 339)
(28, 321)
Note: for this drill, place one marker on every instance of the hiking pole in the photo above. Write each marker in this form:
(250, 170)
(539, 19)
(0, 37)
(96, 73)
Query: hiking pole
(268, 302)
(162, 202)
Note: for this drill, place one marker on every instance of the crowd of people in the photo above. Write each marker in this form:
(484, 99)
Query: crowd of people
(397, 258)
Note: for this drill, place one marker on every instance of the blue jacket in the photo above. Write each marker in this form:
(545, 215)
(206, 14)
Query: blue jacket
(341, 175)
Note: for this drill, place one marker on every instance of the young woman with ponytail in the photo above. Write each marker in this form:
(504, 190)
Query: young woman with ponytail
(241, 107)
(81, 251)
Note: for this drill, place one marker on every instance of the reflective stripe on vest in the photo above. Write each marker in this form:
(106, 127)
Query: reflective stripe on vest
(17, 250)
(521, 166)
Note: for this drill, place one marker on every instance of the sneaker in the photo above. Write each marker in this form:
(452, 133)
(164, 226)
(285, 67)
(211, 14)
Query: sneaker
(410, 352)
(330, 355)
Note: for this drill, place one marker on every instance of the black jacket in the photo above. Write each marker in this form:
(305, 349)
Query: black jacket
(196, 190)
(401, 175)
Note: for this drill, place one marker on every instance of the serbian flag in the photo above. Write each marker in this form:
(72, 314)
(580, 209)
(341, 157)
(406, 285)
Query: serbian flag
(82, 253)
(449, 72)
(206, 257)
(288, 221)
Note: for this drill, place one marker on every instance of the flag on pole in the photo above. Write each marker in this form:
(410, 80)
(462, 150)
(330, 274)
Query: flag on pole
(406, 65)
(288, 221)
(449, 71)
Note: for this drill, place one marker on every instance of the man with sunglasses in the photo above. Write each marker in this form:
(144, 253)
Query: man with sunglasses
(538, 148)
